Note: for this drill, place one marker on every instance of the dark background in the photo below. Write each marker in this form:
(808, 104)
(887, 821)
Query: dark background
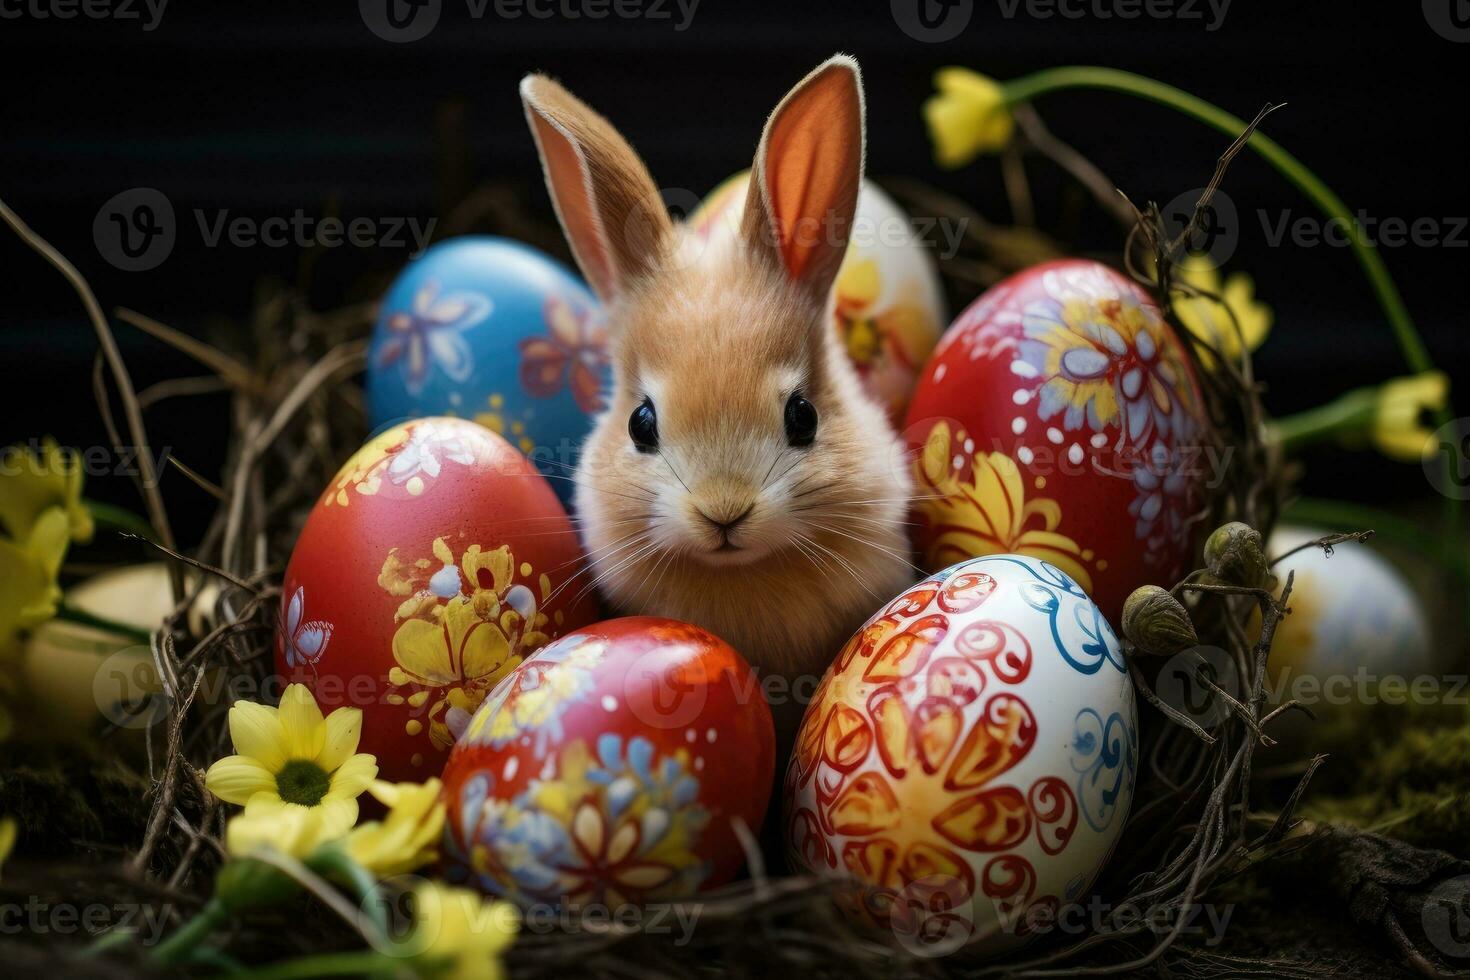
(267, 108)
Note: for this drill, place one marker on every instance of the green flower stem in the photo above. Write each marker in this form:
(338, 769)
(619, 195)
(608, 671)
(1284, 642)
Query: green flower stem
(1029, 87)
(334, 862)
(351, 964)
(1056, 79)
(110, 515)
(1350, 413)
(192, 933)
(72, 614)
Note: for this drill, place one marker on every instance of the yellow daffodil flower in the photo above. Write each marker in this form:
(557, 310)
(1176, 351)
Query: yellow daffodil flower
(292, 755)
(41, 513)
(967, 116)
(7, 838)
(29, 595)
(458, 935)
(1398, 428)
(407, 838)
(1210, 319)
(32, 485)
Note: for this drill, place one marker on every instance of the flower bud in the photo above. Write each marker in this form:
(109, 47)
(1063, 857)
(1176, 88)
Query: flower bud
(1155, 622)
(1235, 555)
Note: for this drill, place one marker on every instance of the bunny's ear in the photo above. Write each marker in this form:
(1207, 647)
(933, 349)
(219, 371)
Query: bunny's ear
(808, 169)
(609, 206)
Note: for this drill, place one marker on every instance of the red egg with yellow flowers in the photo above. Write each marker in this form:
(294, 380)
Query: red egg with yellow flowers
(1061, 418)
(435, 562)
(609, 769)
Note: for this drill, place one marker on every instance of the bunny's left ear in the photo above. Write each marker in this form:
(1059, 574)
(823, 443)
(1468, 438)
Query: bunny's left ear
(807, 173)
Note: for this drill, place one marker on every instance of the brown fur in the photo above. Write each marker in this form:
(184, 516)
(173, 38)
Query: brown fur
(718, 335)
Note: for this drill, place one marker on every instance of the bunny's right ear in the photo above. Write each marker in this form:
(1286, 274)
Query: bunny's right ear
(609, 206)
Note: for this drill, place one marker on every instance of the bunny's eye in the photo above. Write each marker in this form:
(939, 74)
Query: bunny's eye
(643, 427)
(801, 421)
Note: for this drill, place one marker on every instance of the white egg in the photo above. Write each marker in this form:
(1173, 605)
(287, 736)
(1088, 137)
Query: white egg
(81, 677)
(1354, 624)
(970, 757)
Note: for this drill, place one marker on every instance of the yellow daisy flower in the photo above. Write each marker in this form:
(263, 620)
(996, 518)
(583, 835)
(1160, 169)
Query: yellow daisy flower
(1210, 319)
(968, 116)
(293, 756)
(458, 935)
(1398, 428)
(407, 839)
(265, 822)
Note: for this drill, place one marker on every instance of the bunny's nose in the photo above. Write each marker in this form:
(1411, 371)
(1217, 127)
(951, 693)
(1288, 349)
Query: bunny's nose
(725, 523)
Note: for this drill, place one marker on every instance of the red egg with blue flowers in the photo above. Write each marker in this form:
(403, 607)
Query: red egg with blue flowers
(1061, 418)
(610, 768)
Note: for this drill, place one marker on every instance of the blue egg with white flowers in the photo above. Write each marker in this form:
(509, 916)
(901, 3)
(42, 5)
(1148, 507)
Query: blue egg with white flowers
(493, 330)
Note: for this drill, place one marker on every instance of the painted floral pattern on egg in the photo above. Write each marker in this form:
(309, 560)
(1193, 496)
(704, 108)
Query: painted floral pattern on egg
(970, 755)
(608, 768)
(494, 330)
(1060, 418)
(434, 562)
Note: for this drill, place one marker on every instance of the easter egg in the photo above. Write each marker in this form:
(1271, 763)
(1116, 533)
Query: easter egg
(435, 561)
(1354, 625)
(609, 767)
(493, 330)
(887, 302)
(1060, 418)
(969, 757)
(82, 679)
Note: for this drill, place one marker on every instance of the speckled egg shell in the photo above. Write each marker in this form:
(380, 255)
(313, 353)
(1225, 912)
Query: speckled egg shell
(887, 303)
(608, 768)
(1060, 418)
(492, 330)
(969, 757)
(435, 561)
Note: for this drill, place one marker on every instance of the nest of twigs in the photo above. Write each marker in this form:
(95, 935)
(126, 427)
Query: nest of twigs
(1199, 821)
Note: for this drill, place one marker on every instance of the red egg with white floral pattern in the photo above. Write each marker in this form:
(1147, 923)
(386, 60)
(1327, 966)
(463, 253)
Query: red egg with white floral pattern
(435, 562)
(609, 769)
(1060, 417)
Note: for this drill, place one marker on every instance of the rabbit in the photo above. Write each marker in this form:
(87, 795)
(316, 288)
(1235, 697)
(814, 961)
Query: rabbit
(740, 479)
